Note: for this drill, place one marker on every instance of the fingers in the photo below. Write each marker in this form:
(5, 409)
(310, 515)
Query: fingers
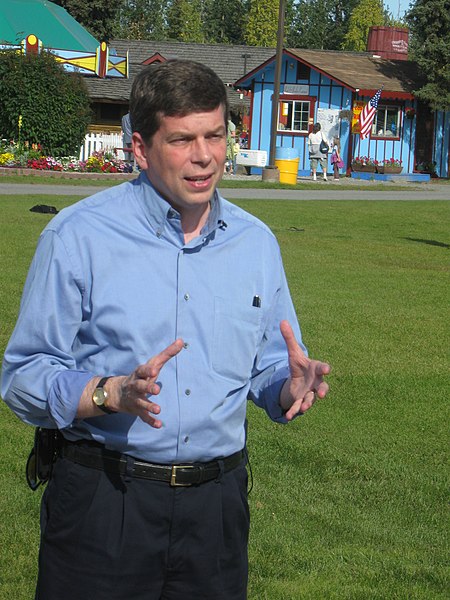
(300, 406)
(137, 401)
(136, 388)
(297, 358)
(160, 359)
(152, 367)
(147, 410)
(322, 390)
(295, 350)
(321, 368)
(289, 337)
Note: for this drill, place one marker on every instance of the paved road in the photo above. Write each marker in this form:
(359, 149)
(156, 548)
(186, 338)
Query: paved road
(327, 191)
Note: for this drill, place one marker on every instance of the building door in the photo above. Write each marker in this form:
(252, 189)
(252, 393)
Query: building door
(424, 135)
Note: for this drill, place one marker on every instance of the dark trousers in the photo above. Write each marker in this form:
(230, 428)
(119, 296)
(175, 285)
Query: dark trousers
(108, 537)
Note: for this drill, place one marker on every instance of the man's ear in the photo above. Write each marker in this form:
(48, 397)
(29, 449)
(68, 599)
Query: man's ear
(140, 149)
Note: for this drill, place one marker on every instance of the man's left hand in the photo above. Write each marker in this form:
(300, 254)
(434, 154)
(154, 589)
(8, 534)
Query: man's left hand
(305, 383)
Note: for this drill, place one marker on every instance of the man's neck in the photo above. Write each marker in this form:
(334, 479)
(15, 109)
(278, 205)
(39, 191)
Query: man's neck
(193, 221)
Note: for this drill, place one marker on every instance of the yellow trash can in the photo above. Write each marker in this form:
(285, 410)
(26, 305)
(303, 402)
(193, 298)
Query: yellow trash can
(287, 159)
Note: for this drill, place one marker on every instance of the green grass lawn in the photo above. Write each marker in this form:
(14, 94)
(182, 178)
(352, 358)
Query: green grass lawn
(351, 500)
(106, 181)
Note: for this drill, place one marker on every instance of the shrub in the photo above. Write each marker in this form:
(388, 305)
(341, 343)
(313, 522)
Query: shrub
(42, 104)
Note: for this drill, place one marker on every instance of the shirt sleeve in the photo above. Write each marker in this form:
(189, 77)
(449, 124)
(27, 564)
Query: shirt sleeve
(271, 367)
(40, 379)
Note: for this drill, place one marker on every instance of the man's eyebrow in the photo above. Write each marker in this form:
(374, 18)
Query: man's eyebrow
(191, 134)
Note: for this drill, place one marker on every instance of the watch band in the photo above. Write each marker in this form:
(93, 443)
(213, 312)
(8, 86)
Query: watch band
(103, 407)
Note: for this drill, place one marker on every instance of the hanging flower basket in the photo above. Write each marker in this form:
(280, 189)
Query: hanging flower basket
(410, 113)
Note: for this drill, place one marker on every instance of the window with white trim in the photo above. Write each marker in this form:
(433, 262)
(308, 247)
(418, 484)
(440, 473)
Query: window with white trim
(293, 115)
(386, 122)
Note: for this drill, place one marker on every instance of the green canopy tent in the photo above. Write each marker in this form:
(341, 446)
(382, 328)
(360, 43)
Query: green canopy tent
(49, 22)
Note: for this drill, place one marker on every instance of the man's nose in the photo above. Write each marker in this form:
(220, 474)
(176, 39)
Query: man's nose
(201, 152)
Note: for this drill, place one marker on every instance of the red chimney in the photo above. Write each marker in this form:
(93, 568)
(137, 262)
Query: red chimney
(388, 42)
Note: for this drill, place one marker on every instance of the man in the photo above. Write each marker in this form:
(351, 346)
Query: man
(126, 131)
(127, 139)
(160, 267)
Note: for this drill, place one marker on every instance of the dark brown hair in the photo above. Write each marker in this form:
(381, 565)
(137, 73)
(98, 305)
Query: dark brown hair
(174, 88)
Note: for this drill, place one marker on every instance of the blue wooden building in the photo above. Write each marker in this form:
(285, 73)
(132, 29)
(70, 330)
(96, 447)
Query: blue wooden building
(331, 87)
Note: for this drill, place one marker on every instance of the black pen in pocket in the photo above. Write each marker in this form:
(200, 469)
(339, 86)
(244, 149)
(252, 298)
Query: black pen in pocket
(256, 301)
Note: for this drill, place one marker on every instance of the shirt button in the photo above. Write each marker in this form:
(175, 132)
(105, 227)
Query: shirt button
(186, 296)
(185, 345)
(187, 392)
(158, 233)
(186, 439)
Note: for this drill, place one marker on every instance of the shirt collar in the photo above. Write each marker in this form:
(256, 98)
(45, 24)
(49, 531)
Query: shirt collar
(160, 213)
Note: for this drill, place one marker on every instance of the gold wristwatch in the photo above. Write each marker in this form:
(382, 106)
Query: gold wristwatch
(100, 396)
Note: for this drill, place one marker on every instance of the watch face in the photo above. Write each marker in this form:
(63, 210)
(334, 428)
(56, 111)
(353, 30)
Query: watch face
(99, 396)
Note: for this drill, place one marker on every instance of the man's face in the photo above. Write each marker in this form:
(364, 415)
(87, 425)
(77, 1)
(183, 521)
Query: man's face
(186, 157)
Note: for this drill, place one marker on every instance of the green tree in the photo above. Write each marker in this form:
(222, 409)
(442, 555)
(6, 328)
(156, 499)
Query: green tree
(429, 22)
(224, 21)
(99, 17)
(311, 25)
(320, 24)
(366, 14)
(262, 23)
(53, 105)
(340, 20)
(143, 20)
(185, 21)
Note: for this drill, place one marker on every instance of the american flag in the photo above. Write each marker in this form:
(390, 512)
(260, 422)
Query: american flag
(368, 113)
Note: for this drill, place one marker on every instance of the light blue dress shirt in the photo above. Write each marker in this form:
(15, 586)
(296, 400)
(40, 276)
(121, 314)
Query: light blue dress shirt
(112, 283)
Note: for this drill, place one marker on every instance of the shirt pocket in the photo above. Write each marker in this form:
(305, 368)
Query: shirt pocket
(236, 336)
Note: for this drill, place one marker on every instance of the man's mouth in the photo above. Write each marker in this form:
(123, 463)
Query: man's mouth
(198, 178)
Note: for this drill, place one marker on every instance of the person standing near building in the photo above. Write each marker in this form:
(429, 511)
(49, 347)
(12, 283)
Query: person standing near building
(336, 160)
(316, 153)
(127, 140)
(152, 312)
(126, 131)
(230, 163)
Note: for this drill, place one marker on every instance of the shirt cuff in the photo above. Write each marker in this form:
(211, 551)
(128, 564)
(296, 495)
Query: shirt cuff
(272, 393)
(64, 396)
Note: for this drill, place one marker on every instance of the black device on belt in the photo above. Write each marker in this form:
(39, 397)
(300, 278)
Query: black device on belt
(97, 457)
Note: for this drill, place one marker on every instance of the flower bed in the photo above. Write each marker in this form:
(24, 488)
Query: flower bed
(20, 156)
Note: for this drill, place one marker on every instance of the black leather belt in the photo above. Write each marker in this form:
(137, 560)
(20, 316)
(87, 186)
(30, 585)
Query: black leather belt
(97, 457)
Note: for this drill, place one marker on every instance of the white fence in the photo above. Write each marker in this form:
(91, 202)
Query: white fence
(101, 141)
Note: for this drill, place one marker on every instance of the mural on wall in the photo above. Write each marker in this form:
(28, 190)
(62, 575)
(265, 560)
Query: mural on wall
(329, 122)
(101, 63)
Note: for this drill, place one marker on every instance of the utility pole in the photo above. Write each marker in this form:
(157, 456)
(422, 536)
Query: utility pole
(277, 82)
(276, 87)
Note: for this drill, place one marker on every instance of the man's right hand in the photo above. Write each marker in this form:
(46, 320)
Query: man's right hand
(132, 393)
